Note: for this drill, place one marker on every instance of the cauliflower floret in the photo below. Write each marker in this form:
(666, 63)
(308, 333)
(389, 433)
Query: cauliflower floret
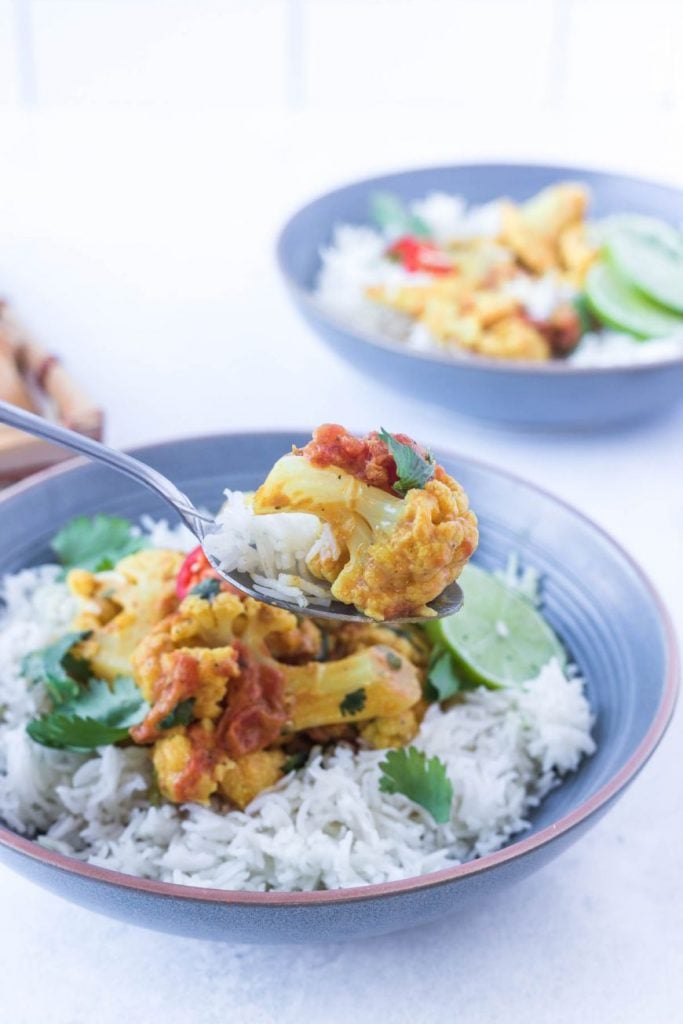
(121, 606)
(399, 553)
(408, 641)
(392, 731)
(219, 697)
(190, 768)
(514, 338)
(215, 625)
(183, 766)
(402, 568)
(242, 780)
(534, 230)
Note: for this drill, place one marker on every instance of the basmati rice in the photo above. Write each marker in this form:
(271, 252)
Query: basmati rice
(327, 825)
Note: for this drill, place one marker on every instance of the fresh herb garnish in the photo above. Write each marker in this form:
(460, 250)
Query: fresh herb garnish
(96, 543)
(443, 682)
(391, 215)
(408, 771)
(208, 589)
(57, 669)
(584, 313)
(353, 702)
(181, 714)
(154, 795)
(99, 715)
(393, 660)
(412, 469)
(324, 651)
(294, 762)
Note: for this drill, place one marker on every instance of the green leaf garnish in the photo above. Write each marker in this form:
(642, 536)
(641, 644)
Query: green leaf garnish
(155, 797)
(353, 702)
(181, 714)
(408, 771)
(208, 589)
(96, 543)
(443, 682)
(390, 214)
(412, 469)
(393, 659)
(57, 669)
(584, 313)
(98, 716)
(294, 762)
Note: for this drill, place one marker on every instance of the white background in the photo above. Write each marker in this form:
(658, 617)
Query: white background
(148, 152)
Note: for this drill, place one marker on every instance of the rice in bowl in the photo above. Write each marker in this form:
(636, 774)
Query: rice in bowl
(326, 825)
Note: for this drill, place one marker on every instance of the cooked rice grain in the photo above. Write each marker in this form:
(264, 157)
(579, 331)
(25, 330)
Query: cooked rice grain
(324, 826)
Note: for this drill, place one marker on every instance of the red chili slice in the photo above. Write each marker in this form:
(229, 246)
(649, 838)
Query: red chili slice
(417, 255)
(194, 569)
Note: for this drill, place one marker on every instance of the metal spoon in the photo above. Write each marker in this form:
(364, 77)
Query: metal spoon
(198, 523)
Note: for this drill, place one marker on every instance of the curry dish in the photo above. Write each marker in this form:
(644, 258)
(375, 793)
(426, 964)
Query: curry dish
(466, 299)
(251, 687)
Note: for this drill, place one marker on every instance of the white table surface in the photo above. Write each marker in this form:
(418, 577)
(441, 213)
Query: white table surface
(139, 246)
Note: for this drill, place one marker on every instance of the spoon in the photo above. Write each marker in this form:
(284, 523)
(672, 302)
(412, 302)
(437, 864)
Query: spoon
(197, 522)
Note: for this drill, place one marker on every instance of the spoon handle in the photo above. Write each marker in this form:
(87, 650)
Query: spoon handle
(148, 477)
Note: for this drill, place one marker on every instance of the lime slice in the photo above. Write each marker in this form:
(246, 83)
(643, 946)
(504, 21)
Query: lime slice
(620, 305)
(649, 254)
(497, 638)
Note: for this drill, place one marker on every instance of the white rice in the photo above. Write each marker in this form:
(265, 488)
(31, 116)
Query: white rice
(274, 549)
(324, 826)
(355, 260)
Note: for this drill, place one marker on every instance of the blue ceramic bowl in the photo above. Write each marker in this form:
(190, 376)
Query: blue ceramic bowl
(546, 395)
(595, 596)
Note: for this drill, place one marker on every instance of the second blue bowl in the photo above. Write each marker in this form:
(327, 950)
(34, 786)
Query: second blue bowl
(546, 395)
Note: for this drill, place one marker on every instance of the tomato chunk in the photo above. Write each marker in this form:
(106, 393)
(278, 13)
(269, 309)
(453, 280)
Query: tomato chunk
(194, 569)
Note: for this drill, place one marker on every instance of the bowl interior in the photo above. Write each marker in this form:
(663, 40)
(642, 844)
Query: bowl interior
(312, 226)
(598, 601)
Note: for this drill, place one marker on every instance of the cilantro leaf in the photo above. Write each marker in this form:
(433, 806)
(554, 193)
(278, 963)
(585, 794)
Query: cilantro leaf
(443, 682)
(95, 543)
(391, 214)
(294, 762)
(584, 312)
(98, 716)
(208, 589)
(394, 660)
(413, 470)
(154, 795)
(408, 771)
(57, 668)
(181, 714)
(353, 702)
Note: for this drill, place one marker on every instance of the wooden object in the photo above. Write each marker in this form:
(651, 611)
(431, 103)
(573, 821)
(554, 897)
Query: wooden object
(35, 379)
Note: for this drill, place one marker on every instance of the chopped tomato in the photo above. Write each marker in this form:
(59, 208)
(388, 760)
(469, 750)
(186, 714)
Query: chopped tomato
(415, 254)
(194, 569)
(367, 458)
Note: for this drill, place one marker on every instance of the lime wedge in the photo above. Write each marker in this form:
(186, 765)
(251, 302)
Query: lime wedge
(498, 638)
(649, 254)
(620, 305)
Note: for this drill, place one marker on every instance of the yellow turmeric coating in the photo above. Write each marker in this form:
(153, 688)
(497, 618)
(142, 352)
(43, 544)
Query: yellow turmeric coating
(391, 731)
(374, 674)
(400, 553)
(121, 606)
(469, 308)
(405, 568)
(241, 781)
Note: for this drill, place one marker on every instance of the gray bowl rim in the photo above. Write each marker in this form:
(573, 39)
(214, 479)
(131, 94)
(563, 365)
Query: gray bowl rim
(523, 847)
(462, 362)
